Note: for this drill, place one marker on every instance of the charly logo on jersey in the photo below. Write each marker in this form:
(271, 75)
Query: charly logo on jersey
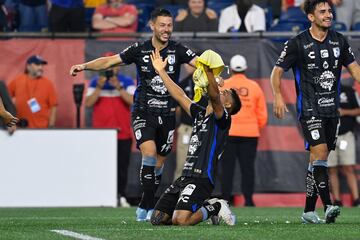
(326, 102)
(153, 102)
(324, 53)
(336, 52)
(325, 65)
(171, 59)
(157, 85)
(326, 80)
(311, 55)
(146, 58)
(315, 134)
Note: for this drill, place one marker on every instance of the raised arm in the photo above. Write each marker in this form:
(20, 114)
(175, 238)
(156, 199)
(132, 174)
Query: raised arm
(214, 94)
(175, 91)
(279, 107)
(96, 64)
(354, 70)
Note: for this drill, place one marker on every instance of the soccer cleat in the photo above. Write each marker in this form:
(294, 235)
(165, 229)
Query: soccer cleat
(225, 213)
(331, 213)
(215, 220)
(141, 214)
(148, 215)
(311, 218)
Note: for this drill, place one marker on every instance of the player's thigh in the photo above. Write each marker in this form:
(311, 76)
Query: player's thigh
(314, 131)
(165, 134)
(144, 129)
(347, 149)
(193, 194)
(169, 199)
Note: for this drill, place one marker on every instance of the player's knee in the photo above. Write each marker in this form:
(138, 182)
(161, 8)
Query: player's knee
(159, 218)
(181, 221)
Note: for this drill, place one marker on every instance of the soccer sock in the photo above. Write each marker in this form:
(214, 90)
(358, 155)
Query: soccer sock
(158, 175)
(311, 191)
(147, 180)
(209, 210)
(322, 181)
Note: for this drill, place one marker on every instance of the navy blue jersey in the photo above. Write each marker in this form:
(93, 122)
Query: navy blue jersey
(317, 69)
(207, 143)
(151, 94)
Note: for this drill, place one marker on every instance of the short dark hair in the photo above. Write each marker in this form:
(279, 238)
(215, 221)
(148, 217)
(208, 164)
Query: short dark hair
(310, 5)
(157, 12)
(236, 105)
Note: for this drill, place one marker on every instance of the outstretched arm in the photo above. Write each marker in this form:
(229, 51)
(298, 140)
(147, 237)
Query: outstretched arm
(97, 64)
(175, 91)
(279, 107)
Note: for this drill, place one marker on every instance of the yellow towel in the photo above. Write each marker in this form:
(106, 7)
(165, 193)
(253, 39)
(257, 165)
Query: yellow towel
(214, 61)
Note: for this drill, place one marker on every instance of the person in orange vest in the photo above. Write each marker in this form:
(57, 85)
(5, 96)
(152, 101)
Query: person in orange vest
(244, 131)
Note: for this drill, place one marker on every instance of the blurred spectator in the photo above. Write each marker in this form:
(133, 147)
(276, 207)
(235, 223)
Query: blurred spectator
(244, 131)
(3, 15)
(347, 11)
(111, 94)
(285, 4)
(33, 15)
(93, 3)
(35, 96)
(243, 11)
(115, 16)
(67, 16)
(159, 3)
(343, 158)
(197, 18)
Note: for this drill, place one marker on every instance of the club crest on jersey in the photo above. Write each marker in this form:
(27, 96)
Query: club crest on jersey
(171, 59)
(315, 134)
(336, 51)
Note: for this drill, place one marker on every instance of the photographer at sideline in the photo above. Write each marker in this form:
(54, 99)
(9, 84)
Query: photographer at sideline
(110, 94)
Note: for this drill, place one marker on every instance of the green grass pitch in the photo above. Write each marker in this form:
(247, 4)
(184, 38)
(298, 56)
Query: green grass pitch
(119, 223)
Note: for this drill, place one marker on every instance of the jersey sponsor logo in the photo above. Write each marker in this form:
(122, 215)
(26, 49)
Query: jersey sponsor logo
(138, 134)
(333, 43)
(170, 137)
(336, 64)
(158, 85)
(336, 52)
(315, 134)
(324, 53)
(325, 65)
(194, 144)
(171, 59)
(144, 69)
(326, 102)
(311, 55)
(190, 53)
(308, 45)
(326, 80)
(146, 58)
(171, 69)
(153, 102)
(351, 52)
(312, 66)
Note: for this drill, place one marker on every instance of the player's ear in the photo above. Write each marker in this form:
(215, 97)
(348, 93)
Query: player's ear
(151, 24)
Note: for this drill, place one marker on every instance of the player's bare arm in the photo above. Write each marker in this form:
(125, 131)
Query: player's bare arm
(175, 91)
(279, 107)
(354, 70)
(97, 64)
(9, 119)
(214, 93)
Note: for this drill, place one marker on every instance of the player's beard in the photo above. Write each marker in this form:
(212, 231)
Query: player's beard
(158, 37)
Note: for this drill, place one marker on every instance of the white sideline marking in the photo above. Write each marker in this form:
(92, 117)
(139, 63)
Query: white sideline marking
(76, 235)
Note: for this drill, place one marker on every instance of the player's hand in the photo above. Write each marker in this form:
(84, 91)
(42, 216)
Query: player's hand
(220, 81)
(157, 61)
(279, 106)
(9, 119)
(76, 68)
(114, 82)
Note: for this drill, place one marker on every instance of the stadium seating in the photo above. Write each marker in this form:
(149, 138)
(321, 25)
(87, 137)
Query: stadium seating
(356, 26)
(144, 11)
(285, 26)
(294, 14)
(88, 17)
(339, 26)
(218, 6)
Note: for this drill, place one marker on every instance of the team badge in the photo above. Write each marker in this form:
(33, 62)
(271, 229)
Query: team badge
(171, 59)
(315, 134)
(336, 52)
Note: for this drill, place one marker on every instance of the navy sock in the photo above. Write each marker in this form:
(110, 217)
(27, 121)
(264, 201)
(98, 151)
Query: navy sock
(322, 181)
(147, 179)
(311, 191)
(209, 210)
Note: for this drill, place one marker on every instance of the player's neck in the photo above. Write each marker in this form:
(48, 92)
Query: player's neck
(157, 44)
(318, 34)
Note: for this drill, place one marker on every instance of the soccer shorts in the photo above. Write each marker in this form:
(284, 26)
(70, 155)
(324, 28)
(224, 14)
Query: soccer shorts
(185, 193)
(147, 126)
(318, 130)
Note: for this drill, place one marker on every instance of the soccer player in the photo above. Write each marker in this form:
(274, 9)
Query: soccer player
(153, 116)
(183, 203)
(316, 57)
(9, 119)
